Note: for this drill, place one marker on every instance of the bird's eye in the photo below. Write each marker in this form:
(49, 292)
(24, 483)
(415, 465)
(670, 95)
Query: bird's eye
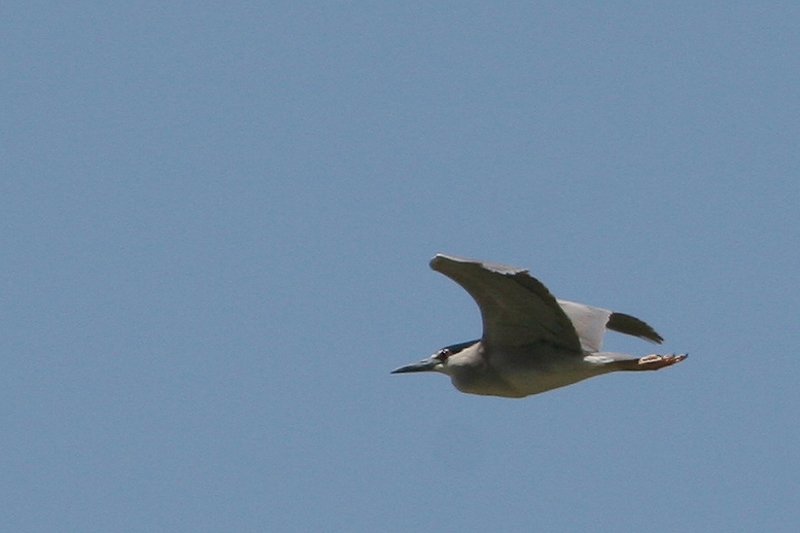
(443, 354)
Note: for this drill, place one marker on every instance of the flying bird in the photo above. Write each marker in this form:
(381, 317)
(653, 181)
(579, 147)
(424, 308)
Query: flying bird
(532, 342)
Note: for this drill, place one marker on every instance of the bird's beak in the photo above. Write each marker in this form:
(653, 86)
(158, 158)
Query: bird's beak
(421, 366)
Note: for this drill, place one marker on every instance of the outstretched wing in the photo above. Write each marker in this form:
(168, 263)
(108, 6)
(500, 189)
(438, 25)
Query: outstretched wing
(516, 308)
(591, 323)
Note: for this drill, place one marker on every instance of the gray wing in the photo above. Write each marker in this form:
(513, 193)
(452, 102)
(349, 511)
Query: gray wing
(591, 324)
(516, 308)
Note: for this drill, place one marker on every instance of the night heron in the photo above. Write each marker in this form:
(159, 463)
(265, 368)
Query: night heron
(531, 341)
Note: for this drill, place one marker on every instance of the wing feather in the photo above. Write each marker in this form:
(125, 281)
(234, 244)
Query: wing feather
(516, 308)
(630, 325)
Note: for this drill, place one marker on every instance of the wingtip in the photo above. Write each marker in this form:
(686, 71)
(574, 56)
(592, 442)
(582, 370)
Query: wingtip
(436, 258)
(630, 325)
(441, 259)
(440, 263)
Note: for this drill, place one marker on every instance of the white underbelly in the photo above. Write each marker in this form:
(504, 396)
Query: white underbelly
(536, 381)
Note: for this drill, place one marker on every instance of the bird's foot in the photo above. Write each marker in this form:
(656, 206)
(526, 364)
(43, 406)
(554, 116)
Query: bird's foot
(655, 361)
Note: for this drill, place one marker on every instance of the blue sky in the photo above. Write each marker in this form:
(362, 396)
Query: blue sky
(216, 220)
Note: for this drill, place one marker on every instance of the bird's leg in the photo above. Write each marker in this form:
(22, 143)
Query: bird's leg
(655, 361)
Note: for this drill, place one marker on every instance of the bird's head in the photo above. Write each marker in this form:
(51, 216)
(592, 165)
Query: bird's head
(437, 362)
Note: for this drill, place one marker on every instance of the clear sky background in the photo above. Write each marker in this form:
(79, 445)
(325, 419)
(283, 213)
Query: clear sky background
(216, 219)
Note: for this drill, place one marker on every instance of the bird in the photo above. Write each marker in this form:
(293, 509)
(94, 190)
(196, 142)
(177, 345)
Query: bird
(531, 342)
